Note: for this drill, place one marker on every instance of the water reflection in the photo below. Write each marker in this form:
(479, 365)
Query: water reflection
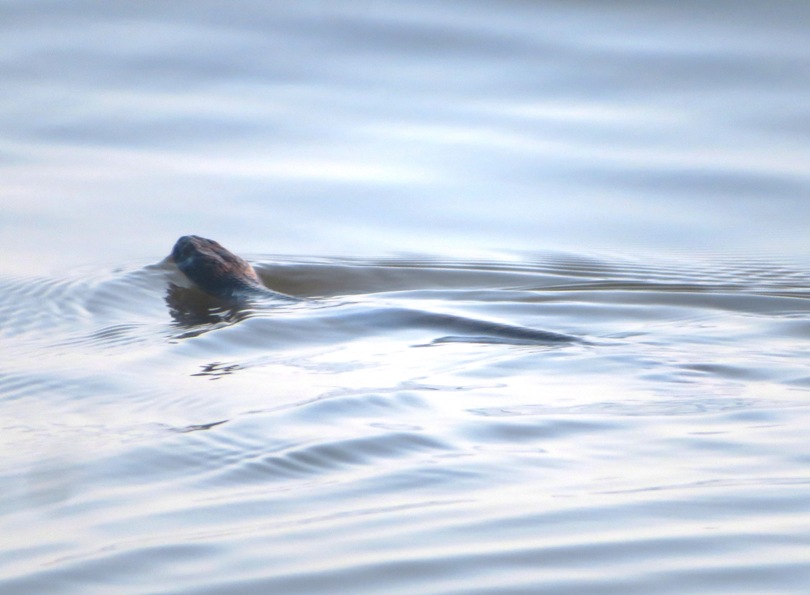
(672, 460)
(382, 127)
(327, 405)
(200, 427)
(198, 313)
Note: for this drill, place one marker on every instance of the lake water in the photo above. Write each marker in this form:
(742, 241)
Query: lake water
(632, 174)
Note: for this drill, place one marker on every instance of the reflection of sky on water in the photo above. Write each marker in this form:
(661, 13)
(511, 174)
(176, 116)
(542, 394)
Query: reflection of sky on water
(344, 450)
(371, 128)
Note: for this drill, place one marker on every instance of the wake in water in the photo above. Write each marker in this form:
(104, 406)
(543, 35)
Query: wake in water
(248, 427)
(232, 285)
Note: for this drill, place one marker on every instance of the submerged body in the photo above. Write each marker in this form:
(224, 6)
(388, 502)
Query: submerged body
(230, 278)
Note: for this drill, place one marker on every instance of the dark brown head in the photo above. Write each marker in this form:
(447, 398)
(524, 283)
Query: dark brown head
(214, 269)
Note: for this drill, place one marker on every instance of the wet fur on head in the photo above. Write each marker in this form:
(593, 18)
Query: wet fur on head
(214, 269)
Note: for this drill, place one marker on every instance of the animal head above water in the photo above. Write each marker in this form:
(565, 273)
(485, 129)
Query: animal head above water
(214, 269)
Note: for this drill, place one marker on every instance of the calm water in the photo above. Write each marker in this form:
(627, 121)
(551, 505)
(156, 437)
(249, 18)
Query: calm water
(634, 175)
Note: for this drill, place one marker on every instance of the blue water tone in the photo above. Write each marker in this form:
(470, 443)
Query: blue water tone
(632, 176)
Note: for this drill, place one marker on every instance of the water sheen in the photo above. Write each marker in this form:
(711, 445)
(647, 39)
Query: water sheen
(329, 445)
(631, 175)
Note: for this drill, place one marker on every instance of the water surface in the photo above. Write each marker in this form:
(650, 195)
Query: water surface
(632, 175)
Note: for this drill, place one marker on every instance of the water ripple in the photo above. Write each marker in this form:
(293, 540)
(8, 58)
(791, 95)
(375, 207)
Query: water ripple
(340, 415)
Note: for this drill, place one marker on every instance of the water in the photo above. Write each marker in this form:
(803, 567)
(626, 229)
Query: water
(632, 175)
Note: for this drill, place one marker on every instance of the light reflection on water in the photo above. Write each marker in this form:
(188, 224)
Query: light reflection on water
(375, 128)
(297, 452)
(631, 175)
